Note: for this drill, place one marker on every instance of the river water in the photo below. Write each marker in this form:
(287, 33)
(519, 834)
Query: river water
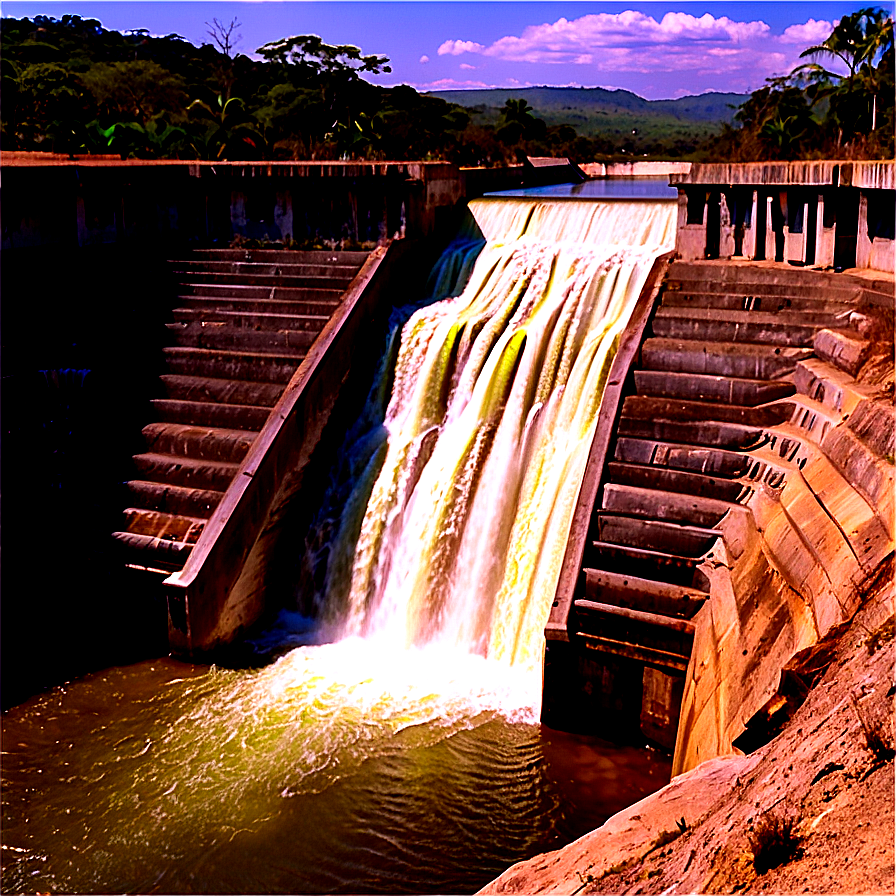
(397, 748)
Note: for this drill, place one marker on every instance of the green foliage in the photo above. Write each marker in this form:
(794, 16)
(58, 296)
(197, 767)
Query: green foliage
(819, 110)
(135, 90)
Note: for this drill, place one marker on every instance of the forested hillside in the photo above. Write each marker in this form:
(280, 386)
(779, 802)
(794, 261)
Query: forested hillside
(617, 120)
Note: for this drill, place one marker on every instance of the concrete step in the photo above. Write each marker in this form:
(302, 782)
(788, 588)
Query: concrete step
(198, 442)
(709, 298)
(288, 256)
(832, 387)
(264, 281)
(242, 292)
(654, 504)
(700, 387)
(845, 349)
(689, 458)
(813, 417)
(253, 320)
(168, 526)
(772, 319)
(645, 595)
(727, 272)
(205, 413)
(201, 475)
(746, 288)
(249, 269)
(744, 360)
(664, 479)
(649, 407)
(220, 335)
(658, 566)
(176, 499)
(654, 535)
(715, 330)
(670, 663)
(262, 367)
(323, 307)
(205, 389)
(634, 628)
(150, 553)
(711, 433)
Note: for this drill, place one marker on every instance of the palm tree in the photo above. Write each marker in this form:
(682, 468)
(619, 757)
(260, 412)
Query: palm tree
(860, 42)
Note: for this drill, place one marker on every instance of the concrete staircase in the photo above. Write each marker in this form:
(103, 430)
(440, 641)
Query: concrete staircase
(244, 322)
(715, 380)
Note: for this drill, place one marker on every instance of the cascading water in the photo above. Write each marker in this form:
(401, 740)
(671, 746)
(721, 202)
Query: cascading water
(492, 414)
(405, 756)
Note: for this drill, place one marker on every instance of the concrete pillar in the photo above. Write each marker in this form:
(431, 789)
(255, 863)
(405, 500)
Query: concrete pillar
(238, 212)
(863, 244)
(83, 234)
(795, 245)
(726, 228)
(824, 238)
(769, 230)
(749, 244)
(283, 214)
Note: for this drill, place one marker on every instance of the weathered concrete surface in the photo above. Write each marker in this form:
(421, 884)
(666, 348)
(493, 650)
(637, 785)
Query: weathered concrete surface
(821, 772)
(820, 526)
(766, 173)
(824, 213)
(769, 490)
(84, 201)
(635, 169)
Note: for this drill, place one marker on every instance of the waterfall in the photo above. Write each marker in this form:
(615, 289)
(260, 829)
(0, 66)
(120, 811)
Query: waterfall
(494, 400)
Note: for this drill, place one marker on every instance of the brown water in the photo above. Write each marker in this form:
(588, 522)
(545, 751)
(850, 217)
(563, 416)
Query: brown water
(308, 776)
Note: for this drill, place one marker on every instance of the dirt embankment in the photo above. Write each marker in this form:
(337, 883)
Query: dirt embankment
(811, 811)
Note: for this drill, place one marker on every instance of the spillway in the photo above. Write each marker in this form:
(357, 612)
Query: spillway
(404, 755)
(494, 400)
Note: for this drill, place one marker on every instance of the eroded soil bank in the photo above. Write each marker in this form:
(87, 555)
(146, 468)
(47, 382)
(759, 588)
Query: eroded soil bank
(816, 803)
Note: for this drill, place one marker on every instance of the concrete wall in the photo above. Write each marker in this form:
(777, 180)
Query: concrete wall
(94, 201)
(796, 562)
(634, 169)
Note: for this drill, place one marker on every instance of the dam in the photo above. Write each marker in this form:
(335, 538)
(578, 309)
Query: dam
(421, 697)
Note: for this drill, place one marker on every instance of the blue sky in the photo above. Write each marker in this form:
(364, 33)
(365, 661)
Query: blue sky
(657, 49)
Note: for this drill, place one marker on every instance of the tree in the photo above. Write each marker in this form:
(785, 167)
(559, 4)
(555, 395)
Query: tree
(518, 122)
(861, 42)
(135, 91)
(226, 41)
(335, 71)
(222, 35)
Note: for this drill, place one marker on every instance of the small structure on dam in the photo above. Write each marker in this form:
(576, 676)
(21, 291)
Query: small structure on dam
(817, 214)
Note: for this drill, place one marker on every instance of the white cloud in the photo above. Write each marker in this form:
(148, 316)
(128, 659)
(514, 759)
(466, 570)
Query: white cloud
(424, 59)
(451, 84)
(467, 68)
(676, 45)
(583, 41)
(808, 34)
(456, 47)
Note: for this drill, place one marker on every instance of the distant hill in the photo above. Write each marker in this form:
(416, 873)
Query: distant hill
(595, 111)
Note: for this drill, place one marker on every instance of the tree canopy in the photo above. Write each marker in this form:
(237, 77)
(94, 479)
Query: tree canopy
(840, 103)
